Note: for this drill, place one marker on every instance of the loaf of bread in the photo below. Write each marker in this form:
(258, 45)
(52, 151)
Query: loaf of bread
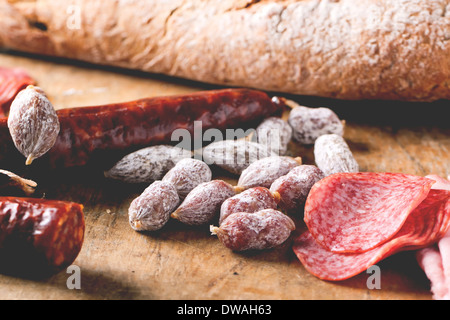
(346, 49)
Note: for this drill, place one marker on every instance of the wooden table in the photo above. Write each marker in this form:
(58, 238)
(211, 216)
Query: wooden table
(181, 262)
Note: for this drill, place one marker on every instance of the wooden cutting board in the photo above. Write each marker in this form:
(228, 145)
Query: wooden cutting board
(182, 262)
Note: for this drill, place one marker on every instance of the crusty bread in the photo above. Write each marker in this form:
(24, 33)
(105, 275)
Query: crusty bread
(347, 49)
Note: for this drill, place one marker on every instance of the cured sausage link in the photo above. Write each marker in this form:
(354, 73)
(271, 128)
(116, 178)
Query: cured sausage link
(39, 237)
(12, 80)
(88, 131)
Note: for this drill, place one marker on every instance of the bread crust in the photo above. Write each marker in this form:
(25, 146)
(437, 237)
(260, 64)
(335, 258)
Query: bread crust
(347, 49)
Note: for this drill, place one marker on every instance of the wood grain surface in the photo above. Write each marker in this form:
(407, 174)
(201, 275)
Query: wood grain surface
(182, 262)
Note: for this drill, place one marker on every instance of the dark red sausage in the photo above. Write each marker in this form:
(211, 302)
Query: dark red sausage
(91, 131)
(37, 236)
(11, 82)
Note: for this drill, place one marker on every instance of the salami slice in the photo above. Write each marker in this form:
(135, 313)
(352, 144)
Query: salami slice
(435, 260)
(11, 82)
(355, 212)
(423, 227)
(441, 183)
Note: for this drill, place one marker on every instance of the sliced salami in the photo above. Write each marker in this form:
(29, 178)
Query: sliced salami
(355, 212)
(435, 260)
(423, 227)
(441, 183)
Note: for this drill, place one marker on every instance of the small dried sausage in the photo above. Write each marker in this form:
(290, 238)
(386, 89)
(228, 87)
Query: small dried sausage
(259, 230)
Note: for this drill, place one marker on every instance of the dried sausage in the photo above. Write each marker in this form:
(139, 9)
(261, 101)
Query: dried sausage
(263, 172)
(250, 200)
(294, 187)
(39, 237)
(203, 203)
(88, 133)
(11, 82)
(259, 230)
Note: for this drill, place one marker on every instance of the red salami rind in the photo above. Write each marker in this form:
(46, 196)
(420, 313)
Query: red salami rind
(423, 227)
(88, 133)
(11, 82)
(355, 212)
(38, 236)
